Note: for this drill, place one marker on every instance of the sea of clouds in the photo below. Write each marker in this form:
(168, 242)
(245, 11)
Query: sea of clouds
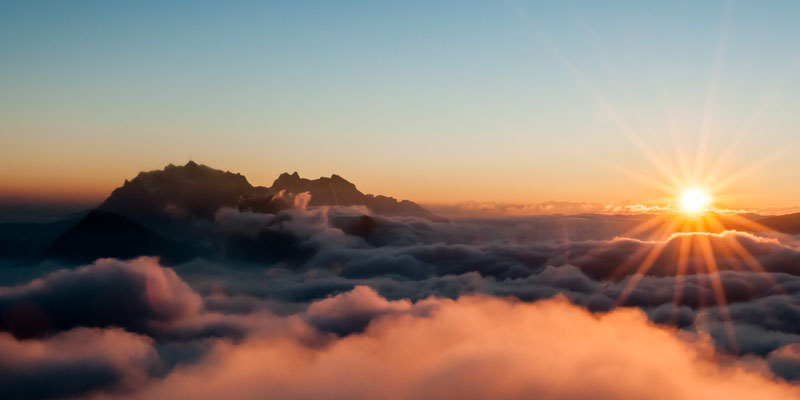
(330, 303)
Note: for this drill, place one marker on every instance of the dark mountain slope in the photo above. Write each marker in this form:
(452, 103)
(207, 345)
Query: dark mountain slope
(339, 192)
(198, 191)
(191, 190)
(29, 240)
(789, 223)
(170, 213)
(103, 234)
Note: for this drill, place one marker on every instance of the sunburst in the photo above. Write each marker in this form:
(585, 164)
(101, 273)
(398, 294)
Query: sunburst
(693, 187)
(694, 201)
(693, 222)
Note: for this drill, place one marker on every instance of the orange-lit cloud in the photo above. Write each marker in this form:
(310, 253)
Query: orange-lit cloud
(478, 348)
(73, 362)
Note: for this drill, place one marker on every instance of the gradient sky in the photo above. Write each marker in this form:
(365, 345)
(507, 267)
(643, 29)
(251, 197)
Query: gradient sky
(430, 101)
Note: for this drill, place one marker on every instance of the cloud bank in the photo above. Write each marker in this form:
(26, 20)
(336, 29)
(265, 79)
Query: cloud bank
(133, 295)
(477, 348)
(334, 302)
(74, 362)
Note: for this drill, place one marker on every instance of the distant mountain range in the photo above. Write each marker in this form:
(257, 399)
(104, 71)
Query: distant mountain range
(200, 191)
(788, 223)
(338, 191)
(168, 213)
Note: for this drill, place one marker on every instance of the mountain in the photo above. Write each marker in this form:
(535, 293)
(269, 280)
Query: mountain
(749, 222)
(195, 190)
(190, 190)
(788, 223)
(24, 240)
(104, 234)
(324, 191)
(170, 213)
(337, 191)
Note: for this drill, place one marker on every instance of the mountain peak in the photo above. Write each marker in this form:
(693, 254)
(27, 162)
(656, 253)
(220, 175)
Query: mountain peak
(338, 178)
(147, 212)
(197, 190)
(289, 182)
(338, 191)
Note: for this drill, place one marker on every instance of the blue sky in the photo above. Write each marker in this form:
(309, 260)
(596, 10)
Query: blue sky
(433, 101)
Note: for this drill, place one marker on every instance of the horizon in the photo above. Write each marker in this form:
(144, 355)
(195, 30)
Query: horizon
(54, 208)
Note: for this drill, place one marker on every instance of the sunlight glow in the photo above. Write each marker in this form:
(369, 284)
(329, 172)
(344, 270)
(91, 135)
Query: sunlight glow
(694, 201)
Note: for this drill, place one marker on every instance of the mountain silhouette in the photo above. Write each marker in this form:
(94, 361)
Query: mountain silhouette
(787, 223)
(170, 213)
(190, 190)
(104, 234)
(27, 240)
(199, 191)
(337, 191)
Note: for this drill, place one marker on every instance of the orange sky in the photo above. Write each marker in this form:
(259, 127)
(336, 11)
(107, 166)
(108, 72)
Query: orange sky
(481, 102)
(92, 180)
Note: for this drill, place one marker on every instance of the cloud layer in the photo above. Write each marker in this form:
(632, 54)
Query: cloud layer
(477, 348)
(133, 295)
(336, 303)
(74, 362)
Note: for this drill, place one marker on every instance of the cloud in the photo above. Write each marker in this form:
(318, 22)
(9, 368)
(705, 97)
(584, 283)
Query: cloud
(74, 362)
(581, 257)
(477, 348)
(291, 236)
(131, 294)
(295, 286)
(137, 295)
(362, 246)
(786, 360)
(475, 209)
(352, 311)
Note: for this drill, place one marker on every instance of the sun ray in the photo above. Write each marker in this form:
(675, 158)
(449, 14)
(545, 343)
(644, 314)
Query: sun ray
(754, 226)
(715, 170)
(646, 225)
(637, 276)
(637, 229)
(641, 178)
(705, 127)
(733, 245)
(712, 272)
(738, 250)
(697, 218)
(767, 99)
(646, 264)
(604, 104)
(677, 142)
(641, 254)
(725, 183)
(683, 261)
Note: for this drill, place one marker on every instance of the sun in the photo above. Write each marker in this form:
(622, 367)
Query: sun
(694, 201)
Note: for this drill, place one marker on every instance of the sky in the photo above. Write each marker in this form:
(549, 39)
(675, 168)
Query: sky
(437, 102)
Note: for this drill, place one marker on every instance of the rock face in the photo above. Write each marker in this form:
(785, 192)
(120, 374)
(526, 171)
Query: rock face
(340, 192)
(170, 213)
(199, 191)
(193, 189)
